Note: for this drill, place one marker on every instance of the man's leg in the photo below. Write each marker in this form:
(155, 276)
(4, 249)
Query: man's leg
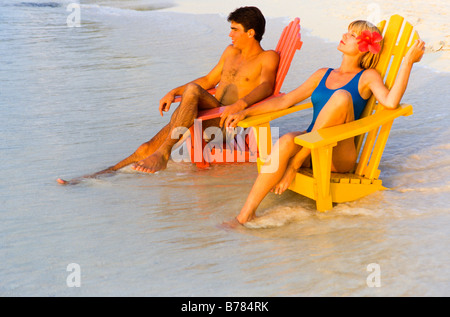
(194, 98)
(142, 152)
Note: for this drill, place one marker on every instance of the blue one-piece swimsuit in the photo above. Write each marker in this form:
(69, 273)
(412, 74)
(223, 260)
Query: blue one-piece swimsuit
(322, 94)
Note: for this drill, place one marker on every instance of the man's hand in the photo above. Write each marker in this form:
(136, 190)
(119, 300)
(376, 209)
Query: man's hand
(232, 109)
(165, 102)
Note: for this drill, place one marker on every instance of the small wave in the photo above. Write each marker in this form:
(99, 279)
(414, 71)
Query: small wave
(278, 217)
(111, 11)
(152, 7)
(39, 4)
(127, 10)
(438, 189)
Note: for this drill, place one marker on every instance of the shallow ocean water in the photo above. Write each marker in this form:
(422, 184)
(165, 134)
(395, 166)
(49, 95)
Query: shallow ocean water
(75, 100)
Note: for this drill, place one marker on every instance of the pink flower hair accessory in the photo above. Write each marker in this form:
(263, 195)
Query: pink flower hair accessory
(369, 42)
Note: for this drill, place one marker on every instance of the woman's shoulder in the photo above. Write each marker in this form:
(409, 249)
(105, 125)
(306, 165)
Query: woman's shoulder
(316, 77)
(371, 74)
(323, 70)
(320, 72)
(370, 78)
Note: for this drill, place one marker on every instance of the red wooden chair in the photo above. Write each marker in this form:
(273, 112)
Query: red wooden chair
(289, 42)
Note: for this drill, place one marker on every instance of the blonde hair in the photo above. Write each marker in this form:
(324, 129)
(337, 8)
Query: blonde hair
(368, 60)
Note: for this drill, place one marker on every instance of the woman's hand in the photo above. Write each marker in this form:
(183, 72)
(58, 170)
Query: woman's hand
(233, 119)
(415, 53)
(230, 110)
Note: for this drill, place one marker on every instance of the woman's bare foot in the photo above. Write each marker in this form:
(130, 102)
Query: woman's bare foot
(286, 180)
(247, 214)
(231, 224)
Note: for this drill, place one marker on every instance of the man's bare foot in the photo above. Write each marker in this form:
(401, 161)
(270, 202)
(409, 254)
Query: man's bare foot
(69, 182)
(152, 164)
(109, 171)
(286, 180)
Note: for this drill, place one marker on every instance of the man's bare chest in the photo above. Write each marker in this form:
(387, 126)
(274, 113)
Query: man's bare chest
(235, 71)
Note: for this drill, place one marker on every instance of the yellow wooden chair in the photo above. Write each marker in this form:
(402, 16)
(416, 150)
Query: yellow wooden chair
(371, 133)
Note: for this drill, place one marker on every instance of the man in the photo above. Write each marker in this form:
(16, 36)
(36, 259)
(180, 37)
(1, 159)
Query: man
(244, 75)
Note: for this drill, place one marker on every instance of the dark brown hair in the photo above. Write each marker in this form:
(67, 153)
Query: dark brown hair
(250, 18)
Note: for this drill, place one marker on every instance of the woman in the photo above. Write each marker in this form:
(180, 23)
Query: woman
(338, 96)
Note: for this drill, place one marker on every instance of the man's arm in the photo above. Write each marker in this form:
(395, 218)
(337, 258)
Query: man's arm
(206, 82)
(263, 90)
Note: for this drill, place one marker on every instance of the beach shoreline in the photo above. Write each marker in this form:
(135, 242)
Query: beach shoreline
(78, 99)
(328, 19)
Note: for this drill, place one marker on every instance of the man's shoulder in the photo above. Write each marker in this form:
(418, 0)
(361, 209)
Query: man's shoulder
(230, 49)
(269, 58)
(270, 54)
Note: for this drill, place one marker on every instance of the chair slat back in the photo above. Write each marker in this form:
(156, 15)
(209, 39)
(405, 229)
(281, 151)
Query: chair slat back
(290, 41)
(397, 37)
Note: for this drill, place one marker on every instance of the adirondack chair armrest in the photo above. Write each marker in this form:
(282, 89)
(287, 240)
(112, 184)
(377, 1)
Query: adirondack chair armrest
(332, 135)
(216, 112)
(257, 120)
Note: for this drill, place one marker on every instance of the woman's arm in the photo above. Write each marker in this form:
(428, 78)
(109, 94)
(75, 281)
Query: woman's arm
(299, 94)
(391, 98)
(269, 65)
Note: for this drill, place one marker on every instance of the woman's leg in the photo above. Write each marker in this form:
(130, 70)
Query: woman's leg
(338, 110)
(286, 148)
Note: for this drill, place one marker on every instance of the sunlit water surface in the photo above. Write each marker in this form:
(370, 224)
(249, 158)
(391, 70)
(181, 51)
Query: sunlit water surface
(74, 100)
